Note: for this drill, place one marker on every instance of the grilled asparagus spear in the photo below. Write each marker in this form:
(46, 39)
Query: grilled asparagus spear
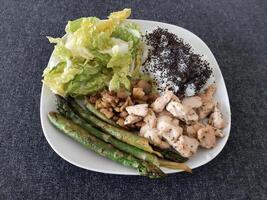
(80, 135)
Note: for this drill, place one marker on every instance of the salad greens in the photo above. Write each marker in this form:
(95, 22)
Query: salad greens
(94, 54)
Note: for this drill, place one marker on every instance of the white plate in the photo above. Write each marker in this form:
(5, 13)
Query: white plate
(76, 154)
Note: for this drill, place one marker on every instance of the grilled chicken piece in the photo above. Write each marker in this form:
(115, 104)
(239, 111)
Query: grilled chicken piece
(177, 109)
(169, 129)
(151, 119)
(164, 113)
(208, 94)
(186, 146)
(191, 117)
(192, 130)
(175, 122)
(153, 135)
(164, 123)
(208, 102)
(172, 135)
(149, 130)
(192, 102)
(218, 132)
(206, 109)
(160, 103)
(206, 137)
(216, 119)
(131, 119)
(139, 110)
(182, 112)
(146, 127)
(175, 98)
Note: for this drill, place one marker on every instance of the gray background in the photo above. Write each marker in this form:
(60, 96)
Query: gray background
(29, 169)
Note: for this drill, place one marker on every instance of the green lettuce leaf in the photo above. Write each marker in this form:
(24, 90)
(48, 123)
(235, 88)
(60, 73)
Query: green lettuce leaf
(129, 33)
(86, 83)
(120, 64)
(74, 25)
(118, 81)
(52, 79)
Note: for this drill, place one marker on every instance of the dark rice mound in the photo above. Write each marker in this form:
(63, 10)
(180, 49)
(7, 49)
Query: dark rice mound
(176, 60)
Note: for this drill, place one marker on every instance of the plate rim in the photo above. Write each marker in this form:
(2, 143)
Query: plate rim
(136, 173)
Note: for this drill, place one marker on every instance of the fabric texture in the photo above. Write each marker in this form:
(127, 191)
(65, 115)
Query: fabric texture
(235, 31)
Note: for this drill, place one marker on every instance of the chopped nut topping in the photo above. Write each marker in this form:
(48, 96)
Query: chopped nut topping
(120, 122)
(138, 93)
(109, 114)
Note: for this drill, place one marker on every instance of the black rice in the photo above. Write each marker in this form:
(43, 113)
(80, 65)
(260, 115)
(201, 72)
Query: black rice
(179, 67)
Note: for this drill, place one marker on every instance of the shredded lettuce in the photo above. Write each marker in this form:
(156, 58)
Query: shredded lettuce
(95, 54)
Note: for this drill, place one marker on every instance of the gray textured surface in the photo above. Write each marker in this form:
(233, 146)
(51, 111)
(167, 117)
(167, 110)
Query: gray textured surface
(29, 169)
